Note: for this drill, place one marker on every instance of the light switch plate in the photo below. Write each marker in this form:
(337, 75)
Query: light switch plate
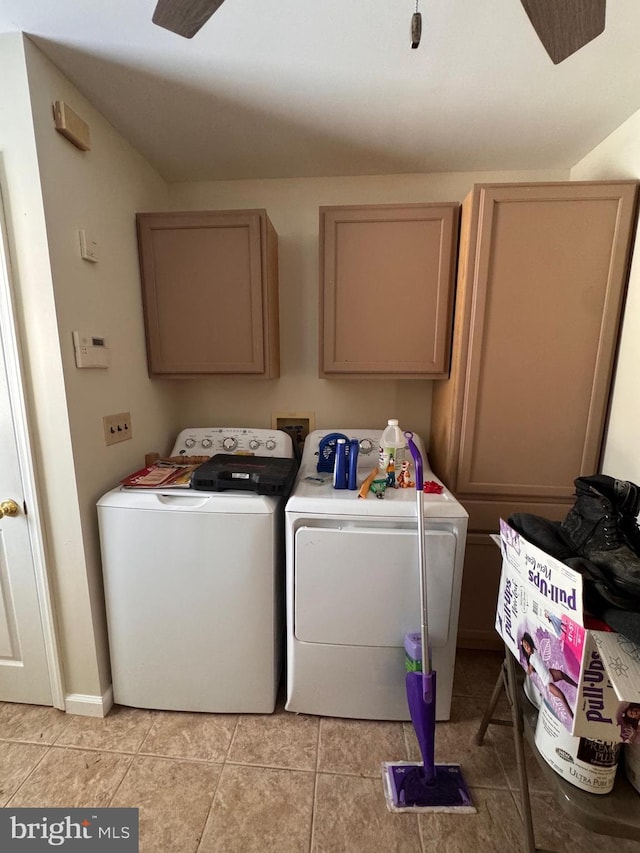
(117, 428)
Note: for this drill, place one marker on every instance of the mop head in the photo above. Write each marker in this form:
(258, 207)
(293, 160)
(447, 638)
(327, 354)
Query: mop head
(406, 790)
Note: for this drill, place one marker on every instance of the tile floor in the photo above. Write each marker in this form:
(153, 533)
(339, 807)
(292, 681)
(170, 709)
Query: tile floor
(289, 783)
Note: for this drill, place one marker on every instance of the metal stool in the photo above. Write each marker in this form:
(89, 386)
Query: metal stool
(616, 813)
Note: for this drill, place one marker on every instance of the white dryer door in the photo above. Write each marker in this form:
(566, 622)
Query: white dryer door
(360, 586)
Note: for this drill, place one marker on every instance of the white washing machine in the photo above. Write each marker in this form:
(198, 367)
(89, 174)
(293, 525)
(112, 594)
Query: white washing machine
(353, 588)
(194, 586)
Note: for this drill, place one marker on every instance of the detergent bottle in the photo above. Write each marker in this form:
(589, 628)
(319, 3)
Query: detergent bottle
(352, 464)
(340, 465)
(392, 443)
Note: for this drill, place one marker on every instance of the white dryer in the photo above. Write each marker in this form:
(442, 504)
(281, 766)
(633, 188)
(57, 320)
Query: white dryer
(194, 587)
(352, 586)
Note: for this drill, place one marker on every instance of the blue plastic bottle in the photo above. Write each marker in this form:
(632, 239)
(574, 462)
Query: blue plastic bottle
(354, 448)
(340, 465)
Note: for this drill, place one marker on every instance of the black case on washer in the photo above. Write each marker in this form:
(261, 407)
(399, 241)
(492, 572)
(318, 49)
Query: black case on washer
(266, 475)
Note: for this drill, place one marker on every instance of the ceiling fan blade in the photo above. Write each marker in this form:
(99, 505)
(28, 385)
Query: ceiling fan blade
(564, 26)
(184, 17)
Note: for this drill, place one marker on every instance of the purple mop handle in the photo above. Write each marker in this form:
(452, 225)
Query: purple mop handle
(417, 458)
(428, 676)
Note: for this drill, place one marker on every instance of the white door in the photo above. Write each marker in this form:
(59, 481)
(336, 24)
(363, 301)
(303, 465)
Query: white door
(24, 666)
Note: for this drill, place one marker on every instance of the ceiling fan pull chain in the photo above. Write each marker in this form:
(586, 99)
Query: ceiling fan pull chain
(416, 28)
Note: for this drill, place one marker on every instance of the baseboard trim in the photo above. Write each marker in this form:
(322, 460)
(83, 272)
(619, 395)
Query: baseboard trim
(86, 705)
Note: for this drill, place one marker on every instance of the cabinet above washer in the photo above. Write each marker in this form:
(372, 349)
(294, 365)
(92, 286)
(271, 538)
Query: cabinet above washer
(210, 292)
(386, 290)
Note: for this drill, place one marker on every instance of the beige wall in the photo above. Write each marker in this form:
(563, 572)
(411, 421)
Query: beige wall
(99, 190)
(292, 206)
(48, 199)
(619, 157)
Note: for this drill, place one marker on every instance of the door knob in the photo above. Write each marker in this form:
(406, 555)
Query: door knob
(9, 507)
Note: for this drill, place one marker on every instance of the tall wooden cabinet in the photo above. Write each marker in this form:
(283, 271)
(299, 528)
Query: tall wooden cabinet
(541, 282)
(387, 276)
(210, 292)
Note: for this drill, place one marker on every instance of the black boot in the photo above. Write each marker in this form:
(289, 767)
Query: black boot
(600, 595)
(625, 497)
(629, 494)
(543, 533)
(593, 526)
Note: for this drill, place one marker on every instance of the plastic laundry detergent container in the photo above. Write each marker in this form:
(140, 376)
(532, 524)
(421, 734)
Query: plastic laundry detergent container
(588, 764)
(392, 451)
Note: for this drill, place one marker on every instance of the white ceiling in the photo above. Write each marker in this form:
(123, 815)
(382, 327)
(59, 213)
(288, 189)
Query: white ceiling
(291, 88)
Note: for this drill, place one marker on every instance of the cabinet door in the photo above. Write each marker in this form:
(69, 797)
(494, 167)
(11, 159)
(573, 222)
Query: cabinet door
(386, 279)
(480, 581)
(210, 298)
(549, 267)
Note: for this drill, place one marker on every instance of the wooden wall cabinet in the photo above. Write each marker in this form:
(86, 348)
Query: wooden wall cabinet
(541, 283)
(210, 292)
(387, 275)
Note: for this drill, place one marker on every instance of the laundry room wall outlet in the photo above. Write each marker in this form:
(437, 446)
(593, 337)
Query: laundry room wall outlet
(117, 428)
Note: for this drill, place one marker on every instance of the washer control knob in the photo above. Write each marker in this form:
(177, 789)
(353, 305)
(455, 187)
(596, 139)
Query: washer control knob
(254, 444)
(230, 443)
(190, 442)
(270, 444)
(206, 442)
(366, 446)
